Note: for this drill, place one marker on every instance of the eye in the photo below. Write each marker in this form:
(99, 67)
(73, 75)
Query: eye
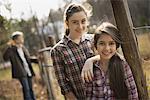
(101, 43)
(112, 43)
(83, 21)
(75, 22)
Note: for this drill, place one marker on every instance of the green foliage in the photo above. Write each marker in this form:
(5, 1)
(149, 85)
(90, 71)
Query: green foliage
(32, 41)
(3, 32)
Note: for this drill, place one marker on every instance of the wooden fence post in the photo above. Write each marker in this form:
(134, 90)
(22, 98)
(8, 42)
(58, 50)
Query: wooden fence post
(44, 65)
(130, 47)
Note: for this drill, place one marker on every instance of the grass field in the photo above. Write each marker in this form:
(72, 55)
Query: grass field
(144, 44)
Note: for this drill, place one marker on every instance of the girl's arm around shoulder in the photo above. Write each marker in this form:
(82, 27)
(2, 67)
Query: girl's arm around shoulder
(87, 70)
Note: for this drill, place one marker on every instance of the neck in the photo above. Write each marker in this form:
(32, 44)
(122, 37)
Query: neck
(104, 65)
(19, 45)
(75, 39)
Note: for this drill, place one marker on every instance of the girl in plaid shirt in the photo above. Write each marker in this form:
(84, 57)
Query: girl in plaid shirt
(113, 79)
(70, 54)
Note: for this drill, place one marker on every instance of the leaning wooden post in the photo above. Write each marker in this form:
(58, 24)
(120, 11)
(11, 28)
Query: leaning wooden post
(44, 62)
(130, 47)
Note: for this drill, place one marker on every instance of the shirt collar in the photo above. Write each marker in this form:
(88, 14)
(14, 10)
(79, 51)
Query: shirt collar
(97, 64)
(66, 39)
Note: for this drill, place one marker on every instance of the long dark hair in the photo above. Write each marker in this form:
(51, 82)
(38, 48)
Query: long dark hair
(115, 67)
(117, 78)
(70, 10)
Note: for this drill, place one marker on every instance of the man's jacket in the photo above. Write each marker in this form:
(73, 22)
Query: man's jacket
(12, 55)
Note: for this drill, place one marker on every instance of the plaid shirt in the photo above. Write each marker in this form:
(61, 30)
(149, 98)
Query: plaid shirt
(99, 88)
(68, 60)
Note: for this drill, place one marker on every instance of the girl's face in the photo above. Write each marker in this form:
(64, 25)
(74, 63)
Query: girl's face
(106, 47)
(77, 24)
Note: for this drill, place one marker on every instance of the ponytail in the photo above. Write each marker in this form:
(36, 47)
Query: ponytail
(67, 32)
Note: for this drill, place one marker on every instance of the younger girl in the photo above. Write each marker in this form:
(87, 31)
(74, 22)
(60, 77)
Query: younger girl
(113, 79)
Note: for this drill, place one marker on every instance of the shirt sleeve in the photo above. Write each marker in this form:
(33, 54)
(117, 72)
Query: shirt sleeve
(130, 83)
(58, 64)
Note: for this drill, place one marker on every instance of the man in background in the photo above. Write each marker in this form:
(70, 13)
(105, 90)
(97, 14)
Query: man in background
(19, 57)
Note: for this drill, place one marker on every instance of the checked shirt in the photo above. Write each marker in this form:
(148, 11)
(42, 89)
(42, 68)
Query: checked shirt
(68, 60)
(99, 88)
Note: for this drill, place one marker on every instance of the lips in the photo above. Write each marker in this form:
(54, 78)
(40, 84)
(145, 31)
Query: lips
(79, 31)
(106, 53)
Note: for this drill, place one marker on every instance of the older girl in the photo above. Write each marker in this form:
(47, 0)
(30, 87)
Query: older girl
(70, 53)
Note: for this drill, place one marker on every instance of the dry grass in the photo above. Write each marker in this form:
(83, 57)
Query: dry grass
(143, 43)
(5, 74)
(146, 68)
(144, 48)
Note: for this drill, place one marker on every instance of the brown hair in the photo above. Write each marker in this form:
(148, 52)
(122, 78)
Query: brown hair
(110, 29)
(70, 10)
(115, 67)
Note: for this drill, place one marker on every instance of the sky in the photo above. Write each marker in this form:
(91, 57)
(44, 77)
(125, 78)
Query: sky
(22, 8)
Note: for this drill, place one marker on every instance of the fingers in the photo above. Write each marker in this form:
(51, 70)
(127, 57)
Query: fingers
(82, 76)
(87, 75)
(87, 71)
(91, 73)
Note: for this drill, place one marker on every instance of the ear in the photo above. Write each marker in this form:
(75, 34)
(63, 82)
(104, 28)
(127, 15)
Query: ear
(66, 24)
(95, 51)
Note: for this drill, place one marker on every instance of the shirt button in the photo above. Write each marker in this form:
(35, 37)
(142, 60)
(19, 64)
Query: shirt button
(105, 89)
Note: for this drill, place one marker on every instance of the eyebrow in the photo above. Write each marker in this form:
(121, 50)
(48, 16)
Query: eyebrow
(77, 20)
(73, 20)
(108, 41)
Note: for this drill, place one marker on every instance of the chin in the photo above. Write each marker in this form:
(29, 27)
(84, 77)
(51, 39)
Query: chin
(107, 57)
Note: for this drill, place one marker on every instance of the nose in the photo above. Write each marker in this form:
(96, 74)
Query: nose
(107, 47)
(80, 25)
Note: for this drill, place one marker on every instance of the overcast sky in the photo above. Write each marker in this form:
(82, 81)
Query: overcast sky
(22, 8)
